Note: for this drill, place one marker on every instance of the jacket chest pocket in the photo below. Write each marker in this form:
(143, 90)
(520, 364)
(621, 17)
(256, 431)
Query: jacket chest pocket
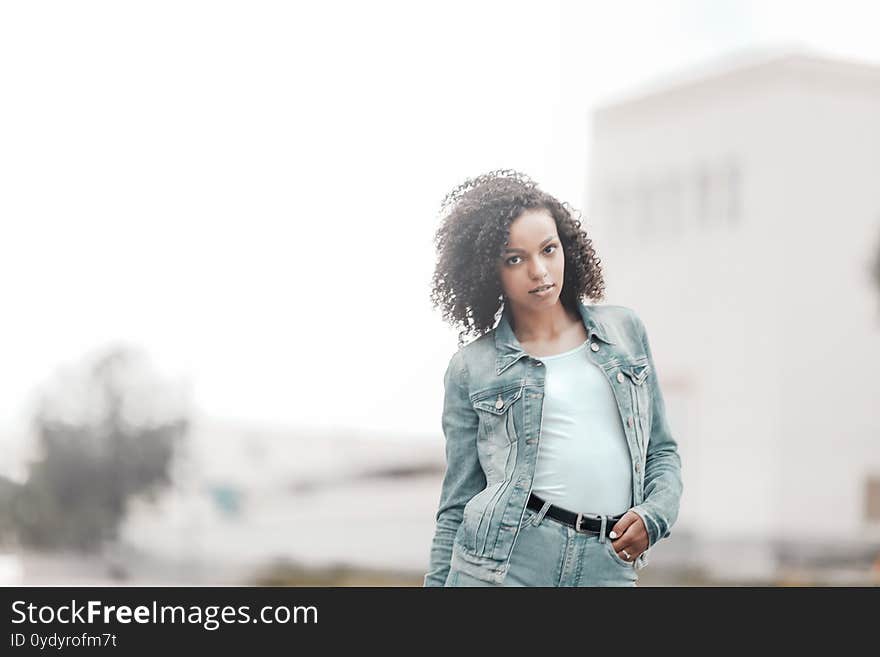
(496, 409)
(637, 380)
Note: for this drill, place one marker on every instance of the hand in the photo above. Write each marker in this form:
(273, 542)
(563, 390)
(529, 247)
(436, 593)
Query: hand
(632, 536)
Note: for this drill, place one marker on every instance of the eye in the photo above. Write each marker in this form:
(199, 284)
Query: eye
(549, 246)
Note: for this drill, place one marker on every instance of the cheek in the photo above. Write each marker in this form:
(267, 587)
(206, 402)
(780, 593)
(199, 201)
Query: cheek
(503, 280)
(508, 284)
(510, 280)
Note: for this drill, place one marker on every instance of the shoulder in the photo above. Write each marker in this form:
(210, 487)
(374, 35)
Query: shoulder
(619, 318)
(478, 347)
(472, 356)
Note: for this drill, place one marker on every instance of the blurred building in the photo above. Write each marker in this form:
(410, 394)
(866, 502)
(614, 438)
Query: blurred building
(738, 212)
(244, 497)
(248, 503)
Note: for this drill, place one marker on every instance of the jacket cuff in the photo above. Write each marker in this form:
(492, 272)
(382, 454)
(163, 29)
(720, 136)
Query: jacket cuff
(650, 524)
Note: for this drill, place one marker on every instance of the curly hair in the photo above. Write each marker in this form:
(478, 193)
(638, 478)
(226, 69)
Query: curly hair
(474, 230)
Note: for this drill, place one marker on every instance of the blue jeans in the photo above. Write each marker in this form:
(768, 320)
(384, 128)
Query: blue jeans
(549, 553)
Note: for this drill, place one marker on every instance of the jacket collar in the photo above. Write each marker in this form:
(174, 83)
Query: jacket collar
(508, 350)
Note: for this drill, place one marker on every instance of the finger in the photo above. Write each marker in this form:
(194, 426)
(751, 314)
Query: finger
(623, 524)
(623, 542)
(626, 553)
(635, 535)
(632, 534)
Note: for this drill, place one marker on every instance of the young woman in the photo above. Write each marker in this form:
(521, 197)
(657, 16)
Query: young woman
(561, 470)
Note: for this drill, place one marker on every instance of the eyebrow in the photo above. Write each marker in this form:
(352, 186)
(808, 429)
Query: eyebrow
(549, 239)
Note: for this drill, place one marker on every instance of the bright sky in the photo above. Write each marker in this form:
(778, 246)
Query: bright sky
(249, 190)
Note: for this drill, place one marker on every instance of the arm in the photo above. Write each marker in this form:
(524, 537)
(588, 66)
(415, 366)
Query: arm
(464, 476)
(663, 484)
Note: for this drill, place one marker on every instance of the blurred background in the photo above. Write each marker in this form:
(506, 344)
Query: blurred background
(219, 363)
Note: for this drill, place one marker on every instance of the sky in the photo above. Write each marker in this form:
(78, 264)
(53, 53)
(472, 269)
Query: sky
(248, 191)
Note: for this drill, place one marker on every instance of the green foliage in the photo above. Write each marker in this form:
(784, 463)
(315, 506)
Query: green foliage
(101, 444)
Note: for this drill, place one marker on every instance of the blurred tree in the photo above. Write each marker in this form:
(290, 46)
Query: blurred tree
(106, 435)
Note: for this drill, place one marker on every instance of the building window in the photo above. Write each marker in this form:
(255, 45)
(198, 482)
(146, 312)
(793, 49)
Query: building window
(617, 207)
(703, 195)
(872, 499)
(645, 195)
(734, 193)
(673, 204)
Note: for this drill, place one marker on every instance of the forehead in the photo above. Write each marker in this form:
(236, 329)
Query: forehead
(531, 228)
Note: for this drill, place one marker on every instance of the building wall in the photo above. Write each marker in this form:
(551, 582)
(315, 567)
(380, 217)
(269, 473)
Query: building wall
(708, 206)
(830, 308)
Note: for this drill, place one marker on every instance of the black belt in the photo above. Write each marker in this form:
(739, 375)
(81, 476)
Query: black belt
(579, 521)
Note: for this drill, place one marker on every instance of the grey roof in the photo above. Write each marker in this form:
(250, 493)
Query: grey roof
(746, 71)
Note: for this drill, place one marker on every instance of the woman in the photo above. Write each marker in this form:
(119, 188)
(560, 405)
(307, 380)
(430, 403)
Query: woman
(561, 470)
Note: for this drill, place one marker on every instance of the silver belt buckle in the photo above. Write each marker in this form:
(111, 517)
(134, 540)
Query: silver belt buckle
(577, 524)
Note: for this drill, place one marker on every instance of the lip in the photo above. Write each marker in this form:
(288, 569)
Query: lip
(551, 286)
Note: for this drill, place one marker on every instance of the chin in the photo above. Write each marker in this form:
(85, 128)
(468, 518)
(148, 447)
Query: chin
(543, 300)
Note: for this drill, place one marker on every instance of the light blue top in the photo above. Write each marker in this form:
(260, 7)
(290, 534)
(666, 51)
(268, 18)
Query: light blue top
(583, 461)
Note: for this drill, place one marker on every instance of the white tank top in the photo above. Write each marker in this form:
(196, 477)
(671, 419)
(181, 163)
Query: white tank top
(583, 462)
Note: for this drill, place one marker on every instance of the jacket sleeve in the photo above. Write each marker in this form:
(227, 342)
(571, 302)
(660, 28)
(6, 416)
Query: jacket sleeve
(663, 483)
(464, 475)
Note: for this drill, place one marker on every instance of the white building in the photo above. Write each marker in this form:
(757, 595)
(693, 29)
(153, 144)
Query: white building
(738, 212)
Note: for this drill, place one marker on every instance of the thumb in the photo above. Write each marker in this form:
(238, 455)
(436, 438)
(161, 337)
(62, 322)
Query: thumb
(621, 525)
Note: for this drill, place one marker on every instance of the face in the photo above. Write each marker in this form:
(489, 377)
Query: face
(532, 257)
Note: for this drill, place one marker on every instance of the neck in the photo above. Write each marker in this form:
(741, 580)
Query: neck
(543, 325)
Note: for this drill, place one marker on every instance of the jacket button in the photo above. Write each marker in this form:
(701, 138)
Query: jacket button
(638, 467)
(594, 346)
(629, 422)
(620, 377)
(538, 363)
(499, 404)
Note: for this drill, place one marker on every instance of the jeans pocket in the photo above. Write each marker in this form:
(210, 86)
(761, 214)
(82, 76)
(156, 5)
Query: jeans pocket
(617, 558)
(461, 579)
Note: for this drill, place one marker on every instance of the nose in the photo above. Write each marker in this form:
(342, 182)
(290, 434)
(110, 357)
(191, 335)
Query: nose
(539, 272)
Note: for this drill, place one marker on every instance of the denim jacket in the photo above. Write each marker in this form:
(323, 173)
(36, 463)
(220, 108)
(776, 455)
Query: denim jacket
(492, 410)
